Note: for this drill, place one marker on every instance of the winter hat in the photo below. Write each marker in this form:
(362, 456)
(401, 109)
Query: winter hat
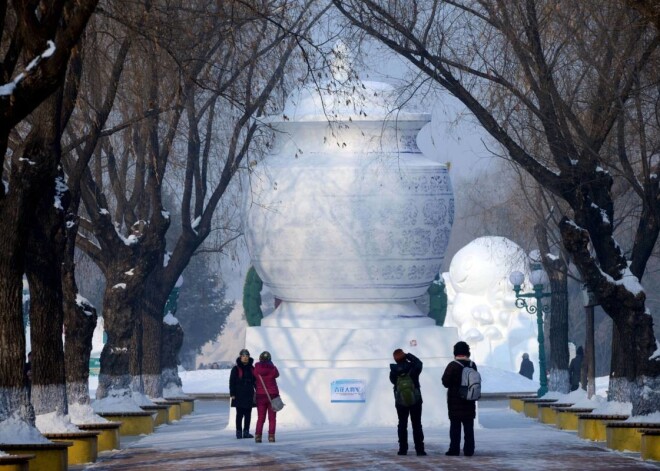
(399, 355)
(265, 356)
(462, 348)
(244, 352)
(525, 356)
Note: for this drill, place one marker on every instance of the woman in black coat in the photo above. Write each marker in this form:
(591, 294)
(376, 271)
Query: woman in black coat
(241, 390)
(461, 411)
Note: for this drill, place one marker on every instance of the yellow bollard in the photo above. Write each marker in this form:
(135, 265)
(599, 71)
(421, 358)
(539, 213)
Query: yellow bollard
(47, 456)
(160, 412)
(567, 417)
(531, 406)
(187, 404)
(132, 423)
(624, 436)
(174, 412)
(15, 462)
(84, 448)
(516, 401)
(592, 426)
(627, 436)
(108, 438)
(651, 444)
(547, 413)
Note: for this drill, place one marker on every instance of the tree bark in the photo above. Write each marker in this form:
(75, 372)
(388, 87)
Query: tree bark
(46, 241)
(79, 324)
(15, 401)
(43, 270)
(151, 308)
(119, 323)
(172, 341)
(556, 270)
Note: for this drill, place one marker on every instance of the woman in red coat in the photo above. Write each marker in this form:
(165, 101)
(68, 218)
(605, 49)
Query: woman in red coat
(266, 374)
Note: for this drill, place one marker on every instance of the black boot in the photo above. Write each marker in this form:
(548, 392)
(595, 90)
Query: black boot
(246, 434)
(239, 434)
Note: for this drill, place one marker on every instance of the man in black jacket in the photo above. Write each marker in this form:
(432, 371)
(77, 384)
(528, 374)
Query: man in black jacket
(526, 367)
(461, 411)
(575, 369)
(408, 365)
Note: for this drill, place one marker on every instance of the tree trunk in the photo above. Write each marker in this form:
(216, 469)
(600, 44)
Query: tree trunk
(12, 334)
(172, 341)
(79, 324)
(635, 367)
(556, 269)
(119, 323)
(43, 270)
(588, 374)
(79, 319)
(559, 378)
(151, 312)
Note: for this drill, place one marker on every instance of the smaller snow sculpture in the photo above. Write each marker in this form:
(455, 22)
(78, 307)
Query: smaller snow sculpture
(481, 303)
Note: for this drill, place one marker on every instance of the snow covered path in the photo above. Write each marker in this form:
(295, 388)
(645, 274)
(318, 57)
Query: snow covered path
(506, 441)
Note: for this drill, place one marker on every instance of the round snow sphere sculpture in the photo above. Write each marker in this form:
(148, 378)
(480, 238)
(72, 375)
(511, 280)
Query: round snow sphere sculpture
(346, 208)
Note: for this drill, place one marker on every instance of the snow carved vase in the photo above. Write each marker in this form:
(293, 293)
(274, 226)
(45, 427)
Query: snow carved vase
(347, 211)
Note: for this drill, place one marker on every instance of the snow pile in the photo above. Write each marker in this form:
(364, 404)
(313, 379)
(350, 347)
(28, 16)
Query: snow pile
(84, 414)
(650, 418)
(614, 408)
(15, 430)
(55, 422)
(577, 398)
(174, 391)
(141, 400)
(123, 401)
(496, 380)
(205, 381)
(169, 319)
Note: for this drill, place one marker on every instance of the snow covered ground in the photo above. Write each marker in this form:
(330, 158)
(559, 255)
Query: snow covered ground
(505, 441)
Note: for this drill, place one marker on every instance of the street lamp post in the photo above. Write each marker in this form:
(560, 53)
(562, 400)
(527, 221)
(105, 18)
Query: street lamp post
(537, 277)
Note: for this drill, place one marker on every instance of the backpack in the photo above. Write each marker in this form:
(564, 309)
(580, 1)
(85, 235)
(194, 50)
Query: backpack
(405, 390)
(470, 388)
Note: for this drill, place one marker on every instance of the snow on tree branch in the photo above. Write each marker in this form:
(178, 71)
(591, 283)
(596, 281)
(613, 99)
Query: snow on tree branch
(8, 88)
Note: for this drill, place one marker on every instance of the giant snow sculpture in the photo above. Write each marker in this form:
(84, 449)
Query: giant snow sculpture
(347, 223)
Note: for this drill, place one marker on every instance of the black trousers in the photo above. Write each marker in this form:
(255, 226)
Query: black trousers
(415, 413)
(243, 413)
(455, 435)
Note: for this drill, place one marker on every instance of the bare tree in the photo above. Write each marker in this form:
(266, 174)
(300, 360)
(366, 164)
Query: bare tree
(572, 69)
(36, 43)
(209, 70)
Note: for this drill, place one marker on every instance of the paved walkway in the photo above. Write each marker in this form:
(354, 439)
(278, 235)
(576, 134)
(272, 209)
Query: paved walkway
(506, 441)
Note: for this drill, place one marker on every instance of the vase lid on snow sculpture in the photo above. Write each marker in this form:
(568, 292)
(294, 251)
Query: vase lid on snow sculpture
(346, 208)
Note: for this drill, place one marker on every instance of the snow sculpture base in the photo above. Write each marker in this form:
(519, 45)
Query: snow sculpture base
(310, 359)
(399, 315)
